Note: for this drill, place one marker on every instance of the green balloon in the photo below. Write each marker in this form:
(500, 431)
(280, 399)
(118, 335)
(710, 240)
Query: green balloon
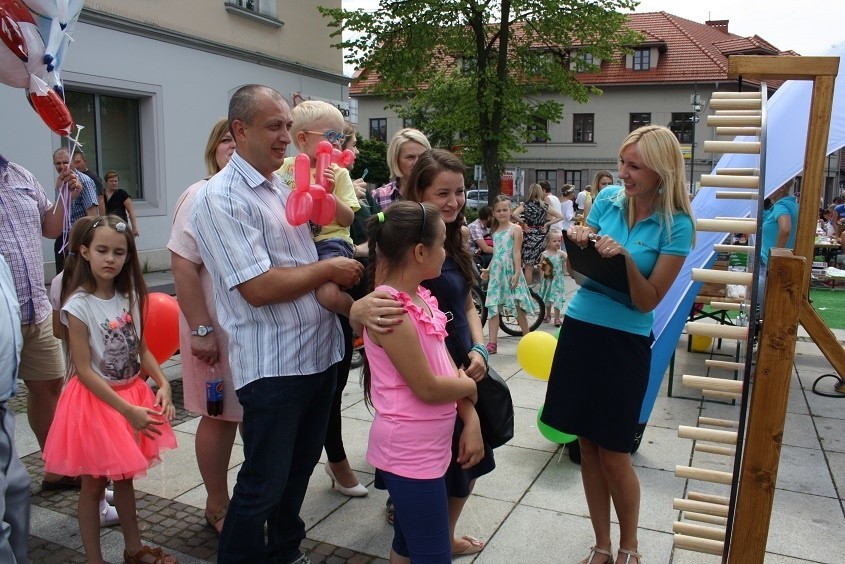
(552, 434)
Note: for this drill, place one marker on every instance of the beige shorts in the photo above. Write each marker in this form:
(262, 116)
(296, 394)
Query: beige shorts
(41, 357)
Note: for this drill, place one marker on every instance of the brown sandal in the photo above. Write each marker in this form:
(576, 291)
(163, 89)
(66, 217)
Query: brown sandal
(148, 555)
(213, 518)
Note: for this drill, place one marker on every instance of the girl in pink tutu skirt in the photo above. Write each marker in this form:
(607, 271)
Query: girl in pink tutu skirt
(108, 423)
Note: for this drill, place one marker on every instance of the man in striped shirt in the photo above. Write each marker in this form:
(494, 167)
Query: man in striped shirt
(25, 216)
(283, 346)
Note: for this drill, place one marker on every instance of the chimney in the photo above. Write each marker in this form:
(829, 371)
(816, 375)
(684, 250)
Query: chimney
(721, 25)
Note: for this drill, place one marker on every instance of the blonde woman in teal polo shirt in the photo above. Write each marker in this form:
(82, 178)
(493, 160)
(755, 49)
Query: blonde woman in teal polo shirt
(598, 397)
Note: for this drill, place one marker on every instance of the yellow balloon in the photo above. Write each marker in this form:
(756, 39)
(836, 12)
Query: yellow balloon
(535, 352)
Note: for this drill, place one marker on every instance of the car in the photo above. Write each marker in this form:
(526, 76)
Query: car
(476, 199)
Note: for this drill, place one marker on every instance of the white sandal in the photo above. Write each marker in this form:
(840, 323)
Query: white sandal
(594, 551)
(630, 554)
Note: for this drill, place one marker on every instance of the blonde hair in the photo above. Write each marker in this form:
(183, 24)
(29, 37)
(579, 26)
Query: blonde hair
(594, 187)
(306, 114)
(535, 192)
(403, 136)
(110, 174)
(220, 129)
(660, 151)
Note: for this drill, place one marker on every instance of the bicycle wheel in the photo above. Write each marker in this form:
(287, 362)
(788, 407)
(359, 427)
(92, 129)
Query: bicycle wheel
(510, 325)
(478, 298)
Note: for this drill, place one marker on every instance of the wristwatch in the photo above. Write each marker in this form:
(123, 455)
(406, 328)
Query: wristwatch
(202, 331)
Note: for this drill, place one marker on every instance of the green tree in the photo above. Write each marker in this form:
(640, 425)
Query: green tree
(482, 74)
(372, 157)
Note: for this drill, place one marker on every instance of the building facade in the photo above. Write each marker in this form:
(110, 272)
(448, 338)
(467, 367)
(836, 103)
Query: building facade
(668, 80)
(147, 80)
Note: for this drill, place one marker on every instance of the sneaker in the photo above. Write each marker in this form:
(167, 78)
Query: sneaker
(301, 560)
(108, 516)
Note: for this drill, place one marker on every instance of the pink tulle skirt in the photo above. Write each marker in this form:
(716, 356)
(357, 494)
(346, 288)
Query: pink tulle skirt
(88, 437)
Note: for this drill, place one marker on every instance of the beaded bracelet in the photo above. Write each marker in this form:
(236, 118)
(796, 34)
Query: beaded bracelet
(482, 350)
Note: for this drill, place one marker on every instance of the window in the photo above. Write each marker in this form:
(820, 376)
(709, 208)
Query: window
(468, 65)
(378, 129)
(111, 138)
(248, 4)
(642, 59)
(572, 177)
(549, 176)
(582, 129)
(638, 120)
(538, 131)
(262, 11)
(681, 126)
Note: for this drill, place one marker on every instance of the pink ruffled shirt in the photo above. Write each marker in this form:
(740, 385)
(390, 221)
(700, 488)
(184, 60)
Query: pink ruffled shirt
(409, 437)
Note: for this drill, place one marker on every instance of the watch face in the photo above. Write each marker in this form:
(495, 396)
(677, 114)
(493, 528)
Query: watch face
(202, 330)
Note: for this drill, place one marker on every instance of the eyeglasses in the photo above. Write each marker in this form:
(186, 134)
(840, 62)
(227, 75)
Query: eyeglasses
(331, 135)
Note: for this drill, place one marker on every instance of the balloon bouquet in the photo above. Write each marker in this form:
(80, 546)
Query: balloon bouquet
(35, 35)
(535, 353)
(315, 202)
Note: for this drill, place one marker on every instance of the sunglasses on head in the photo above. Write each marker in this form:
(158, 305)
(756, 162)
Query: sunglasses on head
(331, 135)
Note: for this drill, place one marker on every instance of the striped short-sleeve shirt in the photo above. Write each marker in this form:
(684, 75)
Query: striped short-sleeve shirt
(239, 222)
(23, 208)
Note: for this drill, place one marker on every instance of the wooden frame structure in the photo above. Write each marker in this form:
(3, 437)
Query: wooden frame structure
(737, 527)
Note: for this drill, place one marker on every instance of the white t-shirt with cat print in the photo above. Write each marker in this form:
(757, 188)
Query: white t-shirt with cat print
(112, 334)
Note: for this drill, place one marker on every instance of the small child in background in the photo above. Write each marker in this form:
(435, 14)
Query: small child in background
(108, 424)
(412, 382)
(315, 121)
(507, 288)
(552, 289)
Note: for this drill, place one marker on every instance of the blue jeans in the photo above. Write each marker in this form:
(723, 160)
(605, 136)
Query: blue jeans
(284, 426)
(14, 494)
(421, 519)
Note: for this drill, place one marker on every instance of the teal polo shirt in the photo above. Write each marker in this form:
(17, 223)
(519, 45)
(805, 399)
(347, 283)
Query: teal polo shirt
(787, 205)
(648, 239)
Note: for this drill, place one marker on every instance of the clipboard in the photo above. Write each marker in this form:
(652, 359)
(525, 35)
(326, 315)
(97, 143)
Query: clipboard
(608, 276)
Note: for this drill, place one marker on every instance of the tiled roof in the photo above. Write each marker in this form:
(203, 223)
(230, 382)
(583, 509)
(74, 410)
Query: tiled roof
(688, 52)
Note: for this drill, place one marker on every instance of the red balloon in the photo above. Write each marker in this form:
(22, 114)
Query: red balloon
(324, 159)
(324, 210)
(161, 325)
(11, 12)
(298, 207)
(53, 112)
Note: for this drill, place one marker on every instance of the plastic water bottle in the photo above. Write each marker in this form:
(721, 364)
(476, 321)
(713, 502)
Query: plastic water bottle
(214, 392)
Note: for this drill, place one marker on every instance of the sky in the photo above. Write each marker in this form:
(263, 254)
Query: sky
(809, 27)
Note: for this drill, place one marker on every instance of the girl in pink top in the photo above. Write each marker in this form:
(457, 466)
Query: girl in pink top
(412, 383)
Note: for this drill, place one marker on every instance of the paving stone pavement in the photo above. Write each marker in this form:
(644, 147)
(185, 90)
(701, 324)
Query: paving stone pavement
(531, 509)
(177, 527)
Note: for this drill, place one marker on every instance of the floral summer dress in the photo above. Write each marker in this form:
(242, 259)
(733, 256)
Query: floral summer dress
(499, 291)
(551, 288)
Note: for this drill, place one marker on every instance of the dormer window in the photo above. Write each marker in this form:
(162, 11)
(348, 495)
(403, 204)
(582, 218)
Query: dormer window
(642, 59)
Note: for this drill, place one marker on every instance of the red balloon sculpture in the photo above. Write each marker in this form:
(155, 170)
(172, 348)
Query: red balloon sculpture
(315, 201)
(161, 325)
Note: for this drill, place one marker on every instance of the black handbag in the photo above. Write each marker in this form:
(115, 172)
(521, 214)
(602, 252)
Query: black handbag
(494, 405)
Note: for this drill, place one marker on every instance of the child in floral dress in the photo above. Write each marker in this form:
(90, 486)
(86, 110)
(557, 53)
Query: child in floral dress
(507, 289)
(552, 287)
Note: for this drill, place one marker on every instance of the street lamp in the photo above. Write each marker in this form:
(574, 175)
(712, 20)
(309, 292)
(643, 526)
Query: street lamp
(697, 108)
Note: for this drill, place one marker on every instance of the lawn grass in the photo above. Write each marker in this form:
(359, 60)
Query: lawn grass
(830, 305)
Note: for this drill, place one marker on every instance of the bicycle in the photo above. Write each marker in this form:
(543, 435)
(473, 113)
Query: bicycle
(508, 320)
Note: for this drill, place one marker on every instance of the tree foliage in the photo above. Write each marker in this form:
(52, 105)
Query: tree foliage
(372, 157)
(482, 74)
